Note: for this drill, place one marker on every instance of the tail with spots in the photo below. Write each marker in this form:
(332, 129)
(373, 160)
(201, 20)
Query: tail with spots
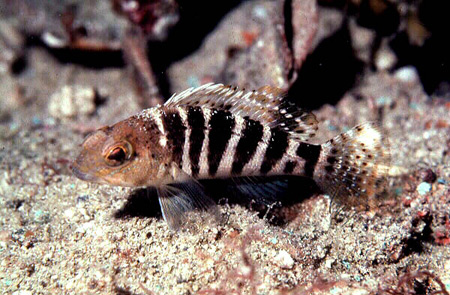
(353, 165)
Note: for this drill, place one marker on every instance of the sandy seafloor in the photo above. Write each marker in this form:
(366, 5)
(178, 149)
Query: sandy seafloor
(60, 235)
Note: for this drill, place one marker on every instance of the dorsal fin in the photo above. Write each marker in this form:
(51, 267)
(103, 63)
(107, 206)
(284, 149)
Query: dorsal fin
(267, 105)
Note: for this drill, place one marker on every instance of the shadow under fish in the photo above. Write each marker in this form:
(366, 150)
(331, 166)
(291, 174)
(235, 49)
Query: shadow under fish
(259, 194)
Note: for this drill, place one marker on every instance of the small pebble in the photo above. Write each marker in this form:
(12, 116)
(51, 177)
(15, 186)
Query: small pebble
(427, 175)
(329, 262)
(398, 191)
(424, 188)
(69, 213)
(38, 214)
(407, 74)
(41, 217)
(385, 59)
(5, 235)
(167, 268)
(82, 198)
(284, 260)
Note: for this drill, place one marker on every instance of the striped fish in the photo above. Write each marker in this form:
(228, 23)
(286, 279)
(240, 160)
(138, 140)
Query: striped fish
(217, 131)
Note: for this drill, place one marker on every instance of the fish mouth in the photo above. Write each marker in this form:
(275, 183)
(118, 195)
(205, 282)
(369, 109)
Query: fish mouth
(82, 175)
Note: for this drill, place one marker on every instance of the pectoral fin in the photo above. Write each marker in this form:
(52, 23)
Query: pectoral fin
(178, 199)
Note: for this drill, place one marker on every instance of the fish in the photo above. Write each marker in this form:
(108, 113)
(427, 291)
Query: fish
(218, 132)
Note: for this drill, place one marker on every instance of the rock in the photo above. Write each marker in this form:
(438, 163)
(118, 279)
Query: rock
(72, 101)
(362, 41)
(247, 49)
(11, 94)
(305, 23)
(154, 18)
(11, 46)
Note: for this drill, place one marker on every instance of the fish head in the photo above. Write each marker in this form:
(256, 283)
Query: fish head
(117, 155)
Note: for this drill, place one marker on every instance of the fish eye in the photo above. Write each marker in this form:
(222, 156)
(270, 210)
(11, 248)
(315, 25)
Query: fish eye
(118, 154)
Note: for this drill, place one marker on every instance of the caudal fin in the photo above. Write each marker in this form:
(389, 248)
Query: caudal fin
(353, 165)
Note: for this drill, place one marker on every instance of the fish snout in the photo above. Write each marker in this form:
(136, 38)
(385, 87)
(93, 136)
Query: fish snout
(82, 175)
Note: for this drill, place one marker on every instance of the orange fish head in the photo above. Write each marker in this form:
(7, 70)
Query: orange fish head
(116, 155)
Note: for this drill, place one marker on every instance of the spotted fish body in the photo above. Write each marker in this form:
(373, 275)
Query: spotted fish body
(217, 131)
